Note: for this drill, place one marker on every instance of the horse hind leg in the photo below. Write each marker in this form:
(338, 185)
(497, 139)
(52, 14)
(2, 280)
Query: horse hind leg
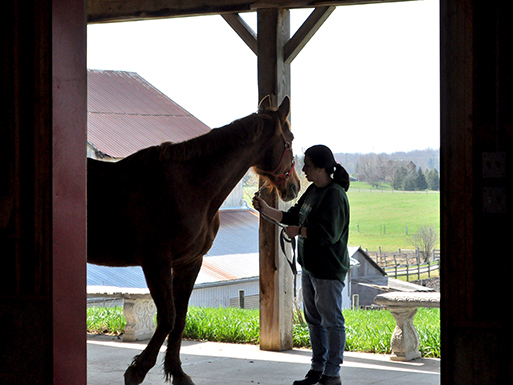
(183, 284)
(159, 282)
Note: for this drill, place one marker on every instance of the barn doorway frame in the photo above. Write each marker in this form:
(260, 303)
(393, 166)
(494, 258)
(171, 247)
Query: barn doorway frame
(42, 189)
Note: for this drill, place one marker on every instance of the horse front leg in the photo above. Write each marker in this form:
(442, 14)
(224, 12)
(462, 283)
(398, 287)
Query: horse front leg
(183, 284)
(159, 282)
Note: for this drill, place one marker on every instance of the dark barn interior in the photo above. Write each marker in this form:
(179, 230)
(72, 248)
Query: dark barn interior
(43, 168)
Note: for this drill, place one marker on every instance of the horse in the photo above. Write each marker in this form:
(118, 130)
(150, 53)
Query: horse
(158, 209)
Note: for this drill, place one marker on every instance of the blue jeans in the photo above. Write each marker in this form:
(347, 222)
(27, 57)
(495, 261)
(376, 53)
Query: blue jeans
(322, 302)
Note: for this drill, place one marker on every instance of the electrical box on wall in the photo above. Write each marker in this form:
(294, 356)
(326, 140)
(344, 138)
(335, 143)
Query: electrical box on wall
(494, 194)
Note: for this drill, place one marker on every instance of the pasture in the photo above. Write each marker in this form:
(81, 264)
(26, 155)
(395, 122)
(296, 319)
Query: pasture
(384, 217)
(389, 218)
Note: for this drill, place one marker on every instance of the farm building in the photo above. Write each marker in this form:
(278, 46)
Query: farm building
(126, 114)
(230, 266)
(369, 279)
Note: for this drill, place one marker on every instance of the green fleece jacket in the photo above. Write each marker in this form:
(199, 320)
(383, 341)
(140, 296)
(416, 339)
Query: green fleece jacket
(324, 212)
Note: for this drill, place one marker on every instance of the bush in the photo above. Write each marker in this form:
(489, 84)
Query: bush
(106, 320)
(425, 239)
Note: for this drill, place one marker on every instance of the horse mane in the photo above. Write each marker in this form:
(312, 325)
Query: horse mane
(240, 132)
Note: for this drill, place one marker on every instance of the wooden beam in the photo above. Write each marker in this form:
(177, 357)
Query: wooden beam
(295, 44)
(101, 11)
(276, 289)
(306, 32)
(273, 72)
(291, 4)
(104, 11)
(245, 32)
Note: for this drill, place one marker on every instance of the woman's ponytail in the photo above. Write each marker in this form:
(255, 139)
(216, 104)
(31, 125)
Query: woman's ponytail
(341, 176)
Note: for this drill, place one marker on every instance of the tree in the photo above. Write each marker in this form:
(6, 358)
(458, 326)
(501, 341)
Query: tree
(425, 239)
(398, 178)
(420, 180)
(410, 181)
(372, 166)
(433, 179)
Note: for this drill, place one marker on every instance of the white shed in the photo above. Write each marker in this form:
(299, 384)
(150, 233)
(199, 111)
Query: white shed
(369, 280)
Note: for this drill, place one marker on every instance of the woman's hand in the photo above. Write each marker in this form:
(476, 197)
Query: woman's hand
(259, 204)
(292, 231)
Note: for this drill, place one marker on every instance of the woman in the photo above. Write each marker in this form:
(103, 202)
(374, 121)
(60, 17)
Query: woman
(321, 220)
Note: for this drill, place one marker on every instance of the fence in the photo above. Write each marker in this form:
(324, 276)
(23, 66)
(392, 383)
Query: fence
(408, 264)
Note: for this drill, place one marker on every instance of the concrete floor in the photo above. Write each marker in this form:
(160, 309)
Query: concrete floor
(210, 363)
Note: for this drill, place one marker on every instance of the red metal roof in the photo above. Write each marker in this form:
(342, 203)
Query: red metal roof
(126, 114)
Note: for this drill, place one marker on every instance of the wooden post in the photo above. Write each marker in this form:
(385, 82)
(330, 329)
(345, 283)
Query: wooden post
(276, 297)
(69, 138)
(43, 122)
(275, 51)
(241, 299)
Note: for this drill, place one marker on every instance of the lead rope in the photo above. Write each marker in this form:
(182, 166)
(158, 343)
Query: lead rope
(284, 238)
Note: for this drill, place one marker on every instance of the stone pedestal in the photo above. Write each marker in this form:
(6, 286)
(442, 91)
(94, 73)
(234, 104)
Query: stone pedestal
(138, 309)
(140, 323)
(403, 306)
(405, 339)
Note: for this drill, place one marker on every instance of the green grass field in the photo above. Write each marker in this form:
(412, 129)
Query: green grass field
(389, 219)
(381, 217)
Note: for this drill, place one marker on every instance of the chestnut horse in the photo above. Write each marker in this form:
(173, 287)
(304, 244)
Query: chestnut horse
(158, 209)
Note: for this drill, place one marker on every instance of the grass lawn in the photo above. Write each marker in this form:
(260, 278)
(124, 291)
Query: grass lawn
(383, 217)
(366, 330)
(389, 219)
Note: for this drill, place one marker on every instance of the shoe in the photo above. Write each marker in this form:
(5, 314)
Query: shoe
(311, 378)
(327, 380)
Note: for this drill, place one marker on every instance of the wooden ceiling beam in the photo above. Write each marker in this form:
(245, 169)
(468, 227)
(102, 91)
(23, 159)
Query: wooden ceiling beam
(105, 11)
(244, 31)
(306, 32)
(293, 45)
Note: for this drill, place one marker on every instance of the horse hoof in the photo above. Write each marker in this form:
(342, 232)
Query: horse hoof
(132, 376)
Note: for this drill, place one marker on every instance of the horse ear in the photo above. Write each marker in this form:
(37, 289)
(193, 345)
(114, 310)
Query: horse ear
(284, 109)
(264, 104)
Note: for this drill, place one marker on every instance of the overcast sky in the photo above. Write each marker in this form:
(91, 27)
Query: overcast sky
(368, 81)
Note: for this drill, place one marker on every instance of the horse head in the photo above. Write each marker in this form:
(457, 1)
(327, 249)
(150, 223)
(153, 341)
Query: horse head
(277, 165)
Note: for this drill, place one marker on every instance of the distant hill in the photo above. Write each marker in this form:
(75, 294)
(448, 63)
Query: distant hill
(427, 159)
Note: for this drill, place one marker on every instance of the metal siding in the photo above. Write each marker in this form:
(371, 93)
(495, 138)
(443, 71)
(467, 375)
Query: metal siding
(228, 267)
(238, 233)
(220, 295)
(127, 114)
(131, 276)
(233, 256)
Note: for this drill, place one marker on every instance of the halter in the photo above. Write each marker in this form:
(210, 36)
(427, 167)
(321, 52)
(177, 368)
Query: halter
(283, 177)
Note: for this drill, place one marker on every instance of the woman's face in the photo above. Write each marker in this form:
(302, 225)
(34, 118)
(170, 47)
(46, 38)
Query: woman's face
(311, 172)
